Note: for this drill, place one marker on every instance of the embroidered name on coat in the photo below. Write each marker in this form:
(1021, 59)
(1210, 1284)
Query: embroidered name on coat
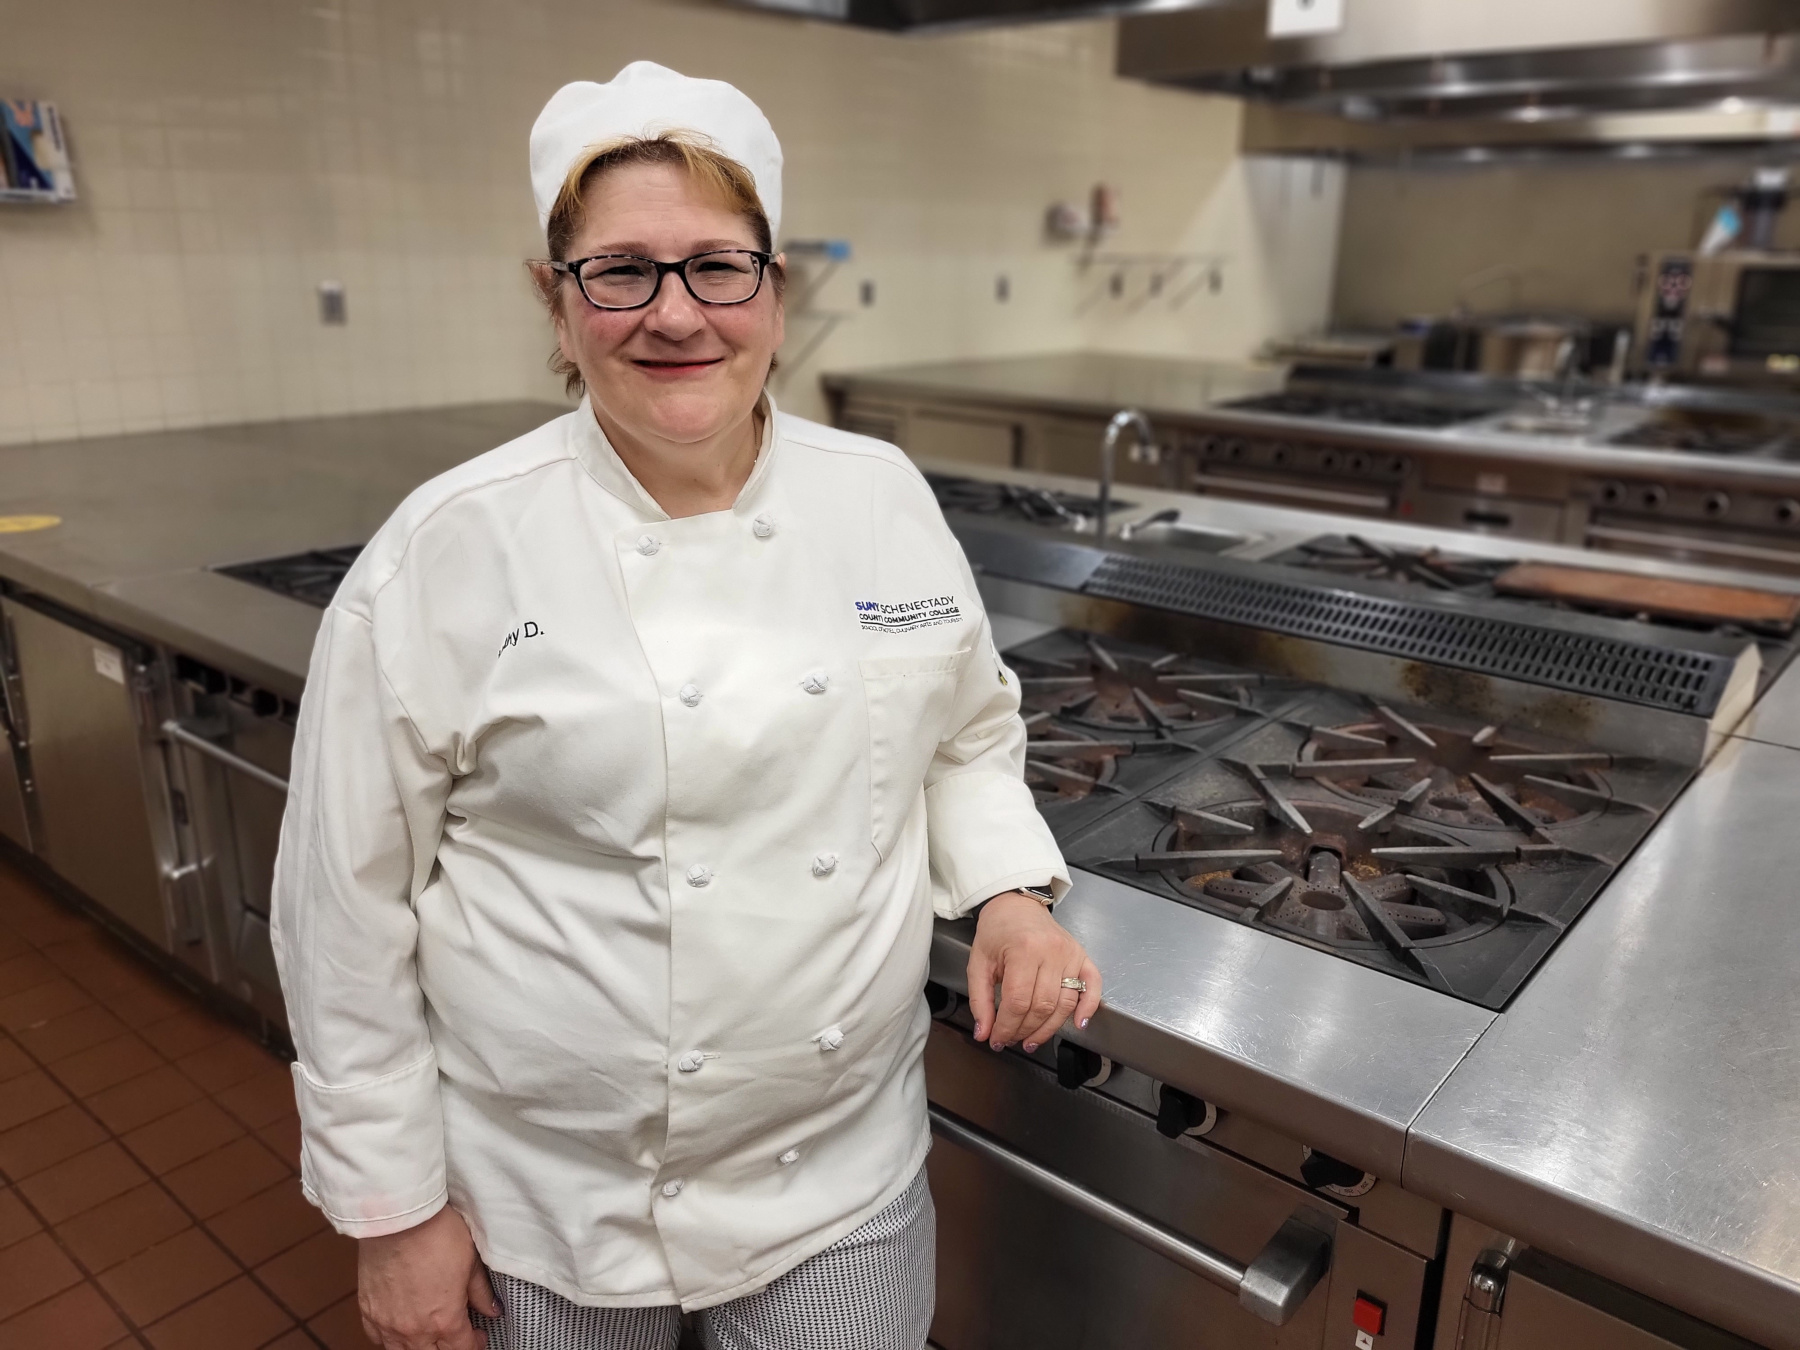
(876, 616)
(512, 639)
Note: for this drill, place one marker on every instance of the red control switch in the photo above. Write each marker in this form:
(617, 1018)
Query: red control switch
(1369, 1314)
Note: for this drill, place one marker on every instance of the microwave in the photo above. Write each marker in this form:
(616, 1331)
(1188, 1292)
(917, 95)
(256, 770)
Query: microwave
(1731, 316)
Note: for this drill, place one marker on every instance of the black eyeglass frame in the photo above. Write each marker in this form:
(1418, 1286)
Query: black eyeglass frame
(573, 268)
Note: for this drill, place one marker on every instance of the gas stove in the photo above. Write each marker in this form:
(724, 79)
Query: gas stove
(1385, 412)
(1443, 850)
(1040, 506)
(311, 578)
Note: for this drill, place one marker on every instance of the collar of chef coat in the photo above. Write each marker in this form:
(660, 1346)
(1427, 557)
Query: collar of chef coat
(607, 469)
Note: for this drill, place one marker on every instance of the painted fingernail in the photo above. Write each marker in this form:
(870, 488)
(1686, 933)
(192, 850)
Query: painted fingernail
(996, 1045)
(1084, 1022)
(1031, 1047)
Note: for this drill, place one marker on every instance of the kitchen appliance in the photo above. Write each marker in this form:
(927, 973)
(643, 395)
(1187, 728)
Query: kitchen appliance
(1731, 316)
(1040, 506)
(311, 577)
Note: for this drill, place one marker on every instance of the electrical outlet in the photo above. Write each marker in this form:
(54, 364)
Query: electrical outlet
(866, 293)
(1002, 288)
(331, 303)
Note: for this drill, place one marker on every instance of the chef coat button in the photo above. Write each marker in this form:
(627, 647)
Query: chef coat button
(672, 1188)
(690, 1061)
(699, 874)
(815, 681)
(689, 694)
(830, 1038)
(789, 1158)
(762, 527)
(648, 544)
(824, 865)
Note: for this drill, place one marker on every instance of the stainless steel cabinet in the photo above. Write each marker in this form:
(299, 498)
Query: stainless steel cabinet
(85, 702)
(15, 819)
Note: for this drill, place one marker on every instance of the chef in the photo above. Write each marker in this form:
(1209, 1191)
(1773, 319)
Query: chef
(637, 756)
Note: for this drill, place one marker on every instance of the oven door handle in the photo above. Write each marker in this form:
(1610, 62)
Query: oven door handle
(175, 731)
(1273, 1286)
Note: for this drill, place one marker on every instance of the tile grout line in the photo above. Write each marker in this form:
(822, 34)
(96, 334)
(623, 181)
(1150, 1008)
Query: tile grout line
(157, 1181)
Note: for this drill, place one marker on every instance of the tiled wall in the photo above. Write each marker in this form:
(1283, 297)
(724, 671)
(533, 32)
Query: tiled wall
(1558, 237)
(232, 156)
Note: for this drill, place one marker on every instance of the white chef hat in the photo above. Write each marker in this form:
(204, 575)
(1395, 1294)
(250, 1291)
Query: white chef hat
(645, 99)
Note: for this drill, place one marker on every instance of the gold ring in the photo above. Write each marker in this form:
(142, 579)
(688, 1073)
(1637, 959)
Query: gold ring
(1074, 982)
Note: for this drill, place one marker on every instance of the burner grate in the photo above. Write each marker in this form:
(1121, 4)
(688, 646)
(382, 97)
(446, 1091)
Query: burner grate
(311, 578)
(1682, 681)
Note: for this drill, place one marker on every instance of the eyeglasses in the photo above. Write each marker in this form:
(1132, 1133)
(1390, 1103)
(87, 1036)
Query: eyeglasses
(729, 276)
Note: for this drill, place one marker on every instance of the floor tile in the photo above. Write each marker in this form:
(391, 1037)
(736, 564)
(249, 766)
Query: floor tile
(77, 1184)
(311, 1277)
(40, 1004)
(75, 1031)
(38, 919)
(26, 971)
(340, 1326)
(37, 1144)
(11, 944)
(16, 1221)
(294, 1340)
(284, 1137)
(140, 1100)
(122, 1227)
(229, 1062)
(222, 1178)
(31, 1271)
(238, 1317)
(78, 1319)
(150, 1002)
(182, 1136)
(187, 1031)
(13, 1061)
(261, 1099)
(267, 1223)
(29, 1096)
(168, 1276)
(106, 1065)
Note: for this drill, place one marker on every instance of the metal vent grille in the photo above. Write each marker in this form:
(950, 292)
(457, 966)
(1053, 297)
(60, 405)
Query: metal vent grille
(1683, 681)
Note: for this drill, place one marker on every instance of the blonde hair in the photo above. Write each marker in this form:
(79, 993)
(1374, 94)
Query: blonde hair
(717, 175)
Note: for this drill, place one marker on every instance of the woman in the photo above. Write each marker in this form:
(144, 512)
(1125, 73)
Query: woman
(636, 757)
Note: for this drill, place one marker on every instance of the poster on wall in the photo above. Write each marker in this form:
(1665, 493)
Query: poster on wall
(34, 161)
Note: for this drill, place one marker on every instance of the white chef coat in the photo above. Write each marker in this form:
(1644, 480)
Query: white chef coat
(605, 888)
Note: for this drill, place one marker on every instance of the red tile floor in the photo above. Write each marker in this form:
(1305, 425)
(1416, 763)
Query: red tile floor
(149, 1192)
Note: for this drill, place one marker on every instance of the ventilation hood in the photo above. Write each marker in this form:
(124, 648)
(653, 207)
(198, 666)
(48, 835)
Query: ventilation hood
(940, 15)
(1492, 72)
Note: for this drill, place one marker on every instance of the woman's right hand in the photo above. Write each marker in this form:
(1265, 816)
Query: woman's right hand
(415, 1287)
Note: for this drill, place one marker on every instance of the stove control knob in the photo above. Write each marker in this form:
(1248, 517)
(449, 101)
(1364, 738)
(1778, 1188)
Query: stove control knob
(1079, 1067)
(1328, 461)
(1611, 494)
(1321, 1171)
(1233, 449)
(1357, 463)
(1716, 503)
(942, 1001)
(1179, 1113)
(1787, 510)
(1280, 453)
(1653, 497)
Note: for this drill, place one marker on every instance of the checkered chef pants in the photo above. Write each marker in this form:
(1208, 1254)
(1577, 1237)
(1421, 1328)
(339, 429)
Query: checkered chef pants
(872, 1289)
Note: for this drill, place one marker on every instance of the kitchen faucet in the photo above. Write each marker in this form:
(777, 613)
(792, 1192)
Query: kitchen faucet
(1109, 445)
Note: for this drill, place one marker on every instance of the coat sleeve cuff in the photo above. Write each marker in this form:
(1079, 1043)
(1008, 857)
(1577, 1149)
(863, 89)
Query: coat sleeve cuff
(372, 1154)
(986, 836)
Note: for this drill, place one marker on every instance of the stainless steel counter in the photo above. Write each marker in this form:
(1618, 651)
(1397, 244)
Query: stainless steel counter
(144, 516)
(1636, 1108)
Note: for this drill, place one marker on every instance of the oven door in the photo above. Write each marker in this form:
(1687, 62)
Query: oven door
(1066, 1220)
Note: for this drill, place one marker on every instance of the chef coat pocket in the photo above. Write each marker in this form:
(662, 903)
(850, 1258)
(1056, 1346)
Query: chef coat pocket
(909, 700)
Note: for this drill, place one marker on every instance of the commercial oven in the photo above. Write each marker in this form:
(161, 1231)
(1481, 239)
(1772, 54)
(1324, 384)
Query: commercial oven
(1068, 1218)
(234, 741)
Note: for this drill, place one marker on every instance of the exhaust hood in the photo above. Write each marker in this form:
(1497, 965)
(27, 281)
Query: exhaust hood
(940, 15)
(1507, 73)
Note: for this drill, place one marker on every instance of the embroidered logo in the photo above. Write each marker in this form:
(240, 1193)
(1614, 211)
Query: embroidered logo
(876, 616)
(512, 639)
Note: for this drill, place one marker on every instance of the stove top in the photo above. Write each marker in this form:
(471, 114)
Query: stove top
(311, 578)
(1711, 433)
(1355, 558)
(1040, 506)
(1438, 849)
(1386, 412)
